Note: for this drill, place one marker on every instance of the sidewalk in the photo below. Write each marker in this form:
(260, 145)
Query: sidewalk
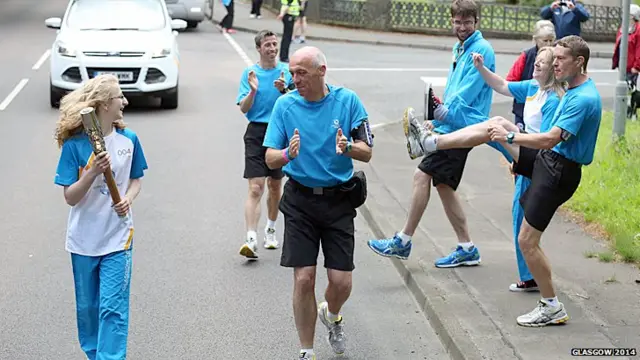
(242, 22)
(471, 308)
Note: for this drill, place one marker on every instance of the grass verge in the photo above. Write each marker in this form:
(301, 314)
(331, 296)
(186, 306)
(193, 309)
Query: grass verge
(609, 195)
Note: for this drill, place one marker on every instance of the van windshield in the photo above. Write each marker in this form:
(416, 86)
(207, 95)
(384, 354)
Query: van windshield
(144, 15)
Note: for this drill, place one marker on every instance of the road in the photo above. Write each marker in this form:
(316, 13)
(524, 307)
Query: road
(193, 296)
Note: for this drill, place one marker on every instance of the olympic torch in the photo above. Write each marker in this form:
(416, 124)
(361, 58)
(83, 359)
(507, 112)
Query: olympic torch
(93, 129)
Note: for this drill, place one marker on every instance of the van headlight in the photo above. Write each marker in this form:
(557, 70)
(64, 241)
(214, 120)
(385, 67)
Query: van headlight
(65, 50)
(161, 53)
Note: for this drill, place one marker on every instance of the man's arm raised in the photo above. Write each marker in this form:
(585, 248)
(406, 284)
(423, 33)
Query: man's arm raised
(276, 159)
(360, 131)
(495, 81)
(276, 140)
(545, 140)
(358, 150)
(247, 91)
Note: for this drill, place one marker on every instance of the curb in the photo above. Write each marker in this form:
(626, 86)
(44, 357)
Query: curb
(451, 345)
(441, 296)
(594, 54)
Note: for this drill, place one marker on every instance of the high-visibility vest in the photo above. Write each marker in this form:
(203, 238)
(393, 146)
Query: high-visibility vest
(294, 7)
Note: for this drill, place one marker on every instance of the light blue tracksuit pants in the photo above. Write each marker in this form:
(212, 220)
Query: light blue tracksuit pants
(522, 183)
(102, 303)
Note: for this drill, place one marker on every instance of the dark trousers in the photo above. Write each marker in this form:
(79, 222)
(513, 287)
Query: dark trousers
(255, 7)
(227, 21)
(287, 34)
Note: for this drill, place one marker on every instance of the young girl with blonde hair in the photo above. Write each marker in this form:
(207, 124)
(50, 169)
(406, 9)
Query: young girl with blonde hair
(99, 233)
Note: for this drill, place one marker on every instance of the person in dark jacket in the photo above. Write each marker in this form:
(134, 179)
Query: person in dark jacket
(566, 16)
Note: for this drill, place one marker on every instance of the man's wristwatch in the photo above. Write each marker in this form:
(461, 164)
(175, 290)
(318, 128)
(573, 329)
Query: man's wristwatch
(510, 137)
(347, 148)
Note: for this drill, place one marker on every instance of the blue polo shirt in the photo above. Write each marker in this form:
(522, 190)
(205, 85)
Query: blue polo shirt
(317, 164)
(267, 93)
(579, 113)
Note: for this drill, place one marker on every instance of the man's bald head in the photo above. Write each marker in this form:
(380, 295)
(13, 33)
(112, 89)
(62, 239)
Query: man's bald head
(308, 66)
(309, 55)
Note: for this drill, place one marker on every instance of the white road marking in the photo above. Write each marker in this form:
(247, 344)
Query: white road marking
(42, 59)
(377, 126)
(13, 94)
(238, 49)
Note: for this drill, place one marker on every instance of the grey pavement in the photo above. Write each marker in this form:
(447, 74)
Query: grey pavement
(193, 296)
(242, 22)
(472, 308)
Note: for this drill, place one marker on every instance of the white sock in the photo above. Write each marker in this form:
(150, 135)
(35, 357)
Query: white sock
(307, 351)
(466, 245)
(332, 317)
(405, 238)
(440, 112)
(430, 143)
(553, 302)
(252, 235)
(271, 224)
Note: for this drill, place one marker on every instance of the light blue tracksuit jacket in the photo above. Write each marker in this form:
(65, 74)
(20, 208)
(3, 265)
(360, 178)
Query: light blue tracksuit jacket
(467, 95)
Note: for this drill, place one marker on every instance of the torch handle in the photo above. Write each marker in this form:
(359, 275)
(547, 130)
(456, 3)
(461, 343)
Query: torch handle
(113, 188)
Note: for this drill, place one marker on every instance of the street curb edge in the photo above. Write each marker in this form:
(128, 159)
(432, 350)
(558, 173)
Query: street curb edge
(452, 311)
(450, 342)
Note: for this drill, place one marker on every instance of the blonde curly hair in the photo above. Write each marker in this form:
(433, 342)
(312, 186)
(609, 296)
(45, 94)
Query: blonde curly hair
(95, 92)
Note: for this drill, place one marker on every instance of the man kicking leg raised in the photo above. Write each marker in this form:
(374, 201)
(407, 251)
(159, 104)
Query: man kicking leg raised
(467, 100)
(552, 159)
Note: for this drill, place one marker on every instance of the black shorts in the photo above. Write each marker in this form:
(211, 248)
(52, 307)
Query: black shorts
(302, 10)
(255, 165)
(554, 180)
(445, 166)
(312, 219)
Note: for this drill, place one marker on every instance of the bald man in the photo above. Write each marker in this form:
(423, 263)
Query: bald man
(314, 134)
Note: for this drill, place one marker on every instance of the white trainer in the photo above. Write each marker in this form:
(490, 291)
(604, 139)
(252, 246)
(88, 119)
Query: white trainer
(270, 241)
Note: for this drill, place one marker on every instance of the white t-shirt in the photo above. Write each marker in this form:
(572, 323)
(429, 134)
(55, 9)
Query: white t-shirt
(532, 113)
(539, 106)
(94, 228)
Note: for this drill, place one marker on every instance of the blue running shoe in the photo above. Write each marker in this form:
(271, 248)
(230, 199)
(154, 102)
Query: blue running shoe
(391, 247)
(460, 257)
